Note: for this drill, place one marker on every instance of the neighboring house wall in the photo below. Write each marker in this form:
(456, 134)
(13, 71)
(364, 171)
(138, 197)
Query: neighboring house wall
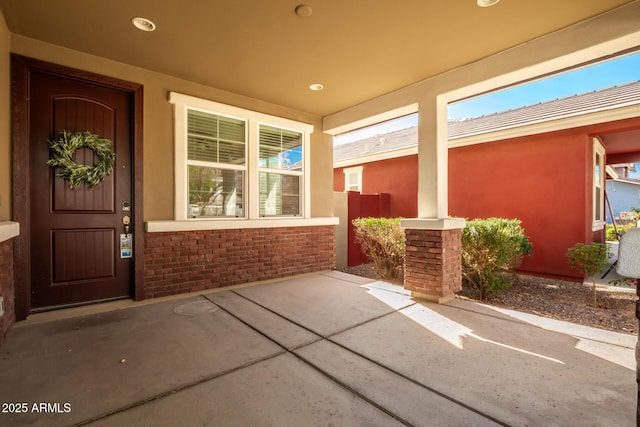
(543, 180)
(397, 176)
(622, 196)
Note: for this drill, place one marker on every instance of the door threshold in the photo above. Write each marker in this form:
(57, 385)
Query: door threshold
(60, 312)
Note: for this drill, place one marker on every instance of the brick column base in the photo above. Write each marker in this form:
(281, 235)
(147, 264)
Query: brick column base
(433, 263)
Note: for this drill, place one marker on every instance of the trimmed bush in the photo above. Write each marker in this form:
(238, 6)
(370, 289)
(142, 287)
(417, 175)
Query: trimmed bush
(491, 249)
(622, 228)
(383, 241)
(589, 260)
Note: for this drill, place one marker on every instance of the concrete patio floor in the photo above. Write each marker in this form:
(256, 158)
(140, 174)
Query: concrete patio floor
(322, 349)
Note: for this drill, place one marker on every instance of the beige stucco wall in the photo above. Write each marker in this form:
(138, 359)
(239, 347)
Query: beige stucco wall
(5, 128)
(341, 211)
(158, 125)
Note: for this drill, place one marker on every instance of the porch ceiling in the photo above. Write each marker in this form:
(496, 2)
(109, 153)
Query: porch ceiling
(357, 49)
(622, 147)
(622, 142)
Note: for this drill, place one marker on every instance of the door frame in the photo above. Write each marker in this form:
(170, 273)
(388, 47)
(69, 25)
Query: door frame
(21, 66)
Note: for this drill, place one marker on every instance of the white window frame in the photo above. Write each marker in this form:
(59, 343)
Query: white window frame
(598, 185)
(284, 172)
(354, 170)
(183, 103)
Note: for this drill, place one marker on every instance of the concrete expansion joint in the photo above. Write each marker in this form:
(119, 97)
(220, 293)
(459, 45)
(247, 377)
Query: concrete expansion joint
(292, 351)
(328, 338)
(180, 388)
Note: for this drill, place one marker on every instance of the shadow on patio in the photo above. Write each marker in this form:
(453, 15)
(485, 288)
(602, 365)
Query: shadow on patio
(321, 349)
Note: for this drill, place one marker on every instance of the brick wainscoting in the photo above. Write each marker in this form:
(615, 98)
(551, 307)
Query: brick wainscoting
(6, 287)
(189, 261)
(433, 264)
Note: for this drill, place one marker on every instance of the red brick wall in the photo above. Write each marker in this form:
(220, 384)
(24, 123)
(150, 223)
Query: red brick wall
(6, 287)
(433, 264)
(189, 261)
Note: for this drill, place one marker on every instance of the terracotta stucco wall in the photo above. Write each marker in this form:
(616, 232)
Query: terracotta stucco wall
(397, 177)
(158, 124)
(543, 180)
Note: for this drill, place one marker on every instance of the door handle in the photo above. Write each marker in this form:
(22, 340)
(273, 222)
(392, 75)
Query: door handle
(126, 221)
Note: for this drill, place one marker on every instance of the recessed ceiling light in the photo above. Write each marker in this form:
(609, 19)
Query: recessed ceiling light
(487, 3)
(143, 24)
(304, 10)
(316, 86)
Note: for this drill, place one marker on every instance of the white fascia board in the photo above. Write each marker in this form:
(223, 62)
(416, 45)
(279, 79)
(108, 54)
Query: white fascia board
(626, 181)
(385, 155)
(333, 124)
(612, 172)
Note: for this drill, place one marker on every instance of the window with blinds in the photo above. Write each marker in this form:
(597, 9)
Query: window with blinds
(234, 163)
(216, 160)
(280, 171)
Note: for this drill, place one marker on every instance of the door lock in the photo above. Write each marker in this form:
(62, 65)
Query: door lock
(126, 221)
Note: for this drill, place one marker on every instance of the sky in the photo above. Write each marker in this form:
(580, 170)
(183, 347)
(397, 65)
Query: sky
(611, 73)
(614, 72)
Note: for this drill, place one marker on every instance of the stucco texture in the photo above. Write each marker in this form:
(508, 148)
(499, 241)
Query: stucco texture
(397, 176)
(543, 180)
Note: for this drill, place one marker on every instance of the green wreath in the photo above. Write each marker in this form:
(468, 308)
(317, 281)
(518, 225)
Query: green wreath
(64, 148)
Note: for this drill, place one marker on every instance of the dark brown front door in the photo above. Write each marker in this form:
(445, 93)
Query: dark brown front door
(75, 234)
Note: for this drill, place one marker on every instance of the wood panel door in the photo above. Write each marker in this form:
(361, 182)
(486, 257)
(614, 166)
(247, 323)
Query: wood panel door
(75, 234)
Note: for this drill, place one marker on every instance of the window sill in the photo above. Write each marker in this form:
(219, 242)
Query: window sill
(9, 230)
(191, 225)
(597, 225)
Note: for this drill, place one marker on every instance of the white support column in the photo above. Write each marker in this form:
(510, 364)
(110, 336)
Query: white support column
(432, 159)
(433, 264)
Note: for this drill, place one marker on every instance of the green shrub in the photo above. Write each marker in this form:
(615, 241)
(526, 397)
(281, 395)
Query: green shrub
(491, 249)
(589, 260)
(622, 228)
(382, 240)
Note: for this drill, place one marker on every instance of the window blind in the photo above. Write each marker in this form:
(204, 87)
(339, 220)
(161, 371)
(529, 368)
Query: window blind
(214, 138)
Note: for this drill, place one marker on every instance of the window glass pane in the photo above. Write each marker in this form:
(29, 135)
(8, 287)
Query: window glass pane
(215, 192)
(279, 194)
(280, 148)
(213, 138)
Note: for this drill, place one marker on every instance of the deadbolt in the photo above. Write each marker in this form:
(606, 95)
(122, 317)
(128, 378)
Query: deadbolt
(126, 220)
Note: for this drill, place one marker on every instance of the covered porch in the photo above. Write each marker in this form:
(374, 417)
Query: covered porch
(321, 349)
